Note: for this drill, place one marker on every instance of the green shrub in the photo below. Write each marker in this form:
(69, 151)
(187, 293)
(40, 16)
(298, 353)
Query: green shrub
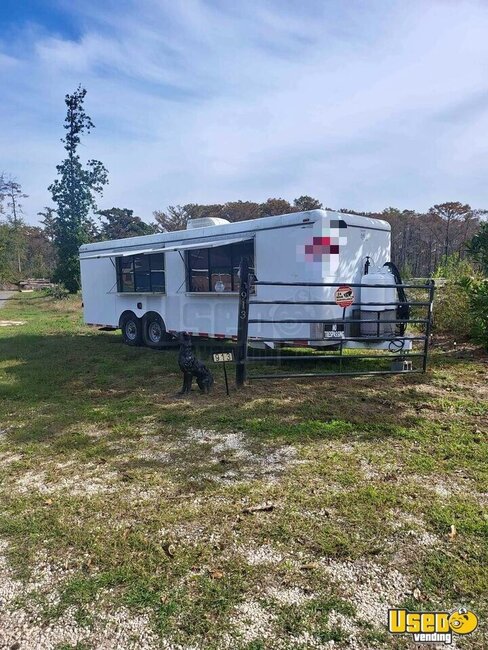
(476, 290)
(57, 291)
(452, 310)
(453, 269)
(460, 304)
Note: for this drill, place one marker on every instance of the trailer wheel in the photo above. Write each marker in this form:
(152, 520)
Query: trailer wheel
(154, 332)
(131, 329)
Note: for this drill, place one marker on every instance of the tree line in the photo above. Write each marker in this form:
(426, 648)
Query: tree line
(420, 241)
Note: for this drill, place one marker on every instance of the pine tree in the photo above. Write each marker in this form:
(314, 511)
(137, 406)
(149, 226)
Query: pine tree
(478, 248)
(74, 193)
(11, 190)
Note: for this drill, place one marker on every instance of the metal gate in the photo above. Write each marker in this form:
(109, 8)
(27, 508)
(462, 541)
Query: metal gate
(404, 361)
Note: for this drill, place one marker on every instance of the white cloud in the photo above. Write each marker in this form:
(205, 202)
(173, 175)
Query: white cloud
(363, 106)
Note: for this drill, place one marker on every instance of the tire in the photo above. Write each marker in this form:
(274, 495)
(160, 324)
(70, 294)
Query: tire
(131, 329)
(154, 332)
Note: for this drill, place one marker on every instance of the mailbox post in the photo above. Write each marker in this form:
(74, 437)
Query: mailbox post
(222, 357)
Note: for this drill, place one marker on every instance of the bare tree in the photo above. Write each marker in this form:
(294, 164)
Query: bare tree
(450, 212)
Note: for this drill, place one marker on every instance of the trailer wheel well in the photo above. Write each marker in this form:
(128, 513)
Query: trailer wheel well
(154, 332)
(131, 327)
(153, 313)
(124, 315)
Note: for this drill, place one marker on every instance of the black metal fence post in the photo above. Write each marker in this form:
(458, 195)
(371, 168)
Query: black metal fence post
(341, 348)
(242, 323)
(428, 325)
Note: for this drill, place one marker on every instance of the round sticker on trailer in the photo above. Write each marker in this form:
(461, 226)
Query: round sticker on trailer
(344, 296)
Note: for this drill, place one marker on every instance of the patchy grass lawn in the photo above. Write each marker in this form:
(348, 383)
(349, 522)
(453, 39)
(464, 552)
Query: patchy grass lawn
(288, 515)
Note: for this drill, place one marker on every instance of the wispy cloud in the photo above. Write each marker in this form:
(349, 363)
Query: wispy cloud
(361, 104)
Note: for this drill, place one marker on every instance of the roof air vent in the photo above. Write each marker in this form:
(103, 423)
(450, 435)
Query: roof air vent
(205, 222)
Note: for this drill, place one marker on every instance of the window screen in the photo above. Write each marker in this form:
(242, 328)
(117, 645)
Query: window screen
(141, 273)
(216, 269)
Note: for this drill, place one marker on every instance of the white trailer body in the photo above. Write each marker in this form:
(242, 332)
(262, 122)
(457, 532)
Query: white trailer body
(189, 278)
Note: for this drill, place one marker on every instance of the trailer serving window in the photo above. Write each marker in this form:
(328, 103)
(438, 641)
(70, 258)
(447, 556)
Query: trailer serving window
(141, 273)
(216, 269)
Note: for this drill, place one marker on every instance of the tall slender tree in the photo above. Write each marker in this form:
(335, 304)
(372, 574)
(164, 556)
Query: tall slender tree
(451, 212)
(11, 191)
(74, 193)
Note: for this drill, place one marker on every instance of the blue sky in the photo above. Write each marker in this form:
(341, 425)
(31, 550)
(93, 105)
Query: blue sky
(361, 104)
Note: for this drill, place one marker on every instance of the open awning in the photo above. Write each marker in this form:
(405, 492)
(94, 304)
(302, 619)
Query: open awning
(208, 244)
(158, 248)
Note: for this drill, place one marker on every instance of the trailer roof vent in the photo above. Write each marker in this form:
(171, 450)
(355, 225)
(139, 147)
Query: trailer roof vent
(205, 222)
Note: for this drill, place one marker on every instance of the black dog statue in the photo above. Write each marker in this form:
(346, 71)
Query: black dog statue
(191, 367)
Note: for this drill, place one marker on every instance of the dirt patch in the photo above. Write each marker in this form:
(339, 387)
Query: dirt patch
(209, 455)
(261, 555)
(446, 486)
(240, 457)
(12, 323)
(288, 596)
(252, 621)
(25, 628)
(371, 587)
(7, 457)
(411, 530)
(93, 480)
(111, 631)
(91, 430)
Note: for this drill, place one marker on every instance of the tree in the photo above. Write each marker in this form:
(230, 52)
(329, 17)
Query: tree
(49, 222)
(175, 218)
(4, 252)
(418, 240)
(118, 223)
(273, 207)
(74, 193)
(241, 210)
(305, 202)
(11, 190)
(40, 256)
(478, 247)
(199, 211)
(450, 212)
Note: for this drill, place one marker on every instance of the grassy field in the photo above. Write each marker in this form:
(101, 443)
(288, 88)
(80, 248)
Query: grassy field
(288, 515)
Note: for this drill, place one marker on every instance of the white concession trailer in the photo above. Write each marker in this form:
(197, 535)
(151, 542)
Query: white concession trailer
(154, 286)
